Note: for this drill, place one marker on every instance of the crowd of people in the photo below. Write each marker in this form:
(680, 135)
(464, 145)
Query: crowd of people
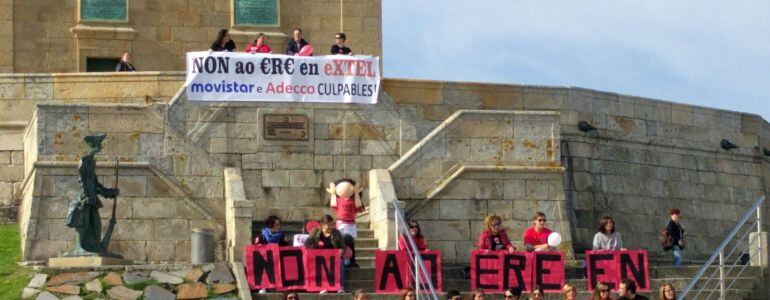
(493, 238)
(297, 45)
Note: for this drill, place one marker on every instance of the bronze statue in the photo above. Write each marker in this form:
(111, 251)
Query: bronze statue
(83, 214)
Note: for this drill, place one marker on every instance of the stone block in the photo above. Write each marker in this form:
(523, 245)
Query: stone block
(447, 248)
(275, 178)
(337, 146)
(374, 147)
(5, 157)
(524, 210)
(462, 209)
(161, 250)
(352, 162)
(51, 207)
(458, 189)
(262, 160)
(447, 230)
(503, 208)
(86, 261)
(152, 208)
(132, 186)
(288, 160)
(323, 162)
(514, 189)
(11, 173)
(304, 178)
(537, 189)
(58, 231)
(491, 189)
(6, 194)
(172, 229)
(356, 132)
(134, 230)
(156, 187)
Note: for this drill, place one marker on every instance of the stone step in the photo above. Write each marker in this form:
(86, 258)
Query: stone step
(367, 242)
(364, 233)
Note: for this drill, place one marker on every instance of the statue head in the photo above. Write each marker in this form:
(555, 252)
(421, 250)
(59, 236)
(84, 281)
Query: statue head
(95, 141)
(344, 187)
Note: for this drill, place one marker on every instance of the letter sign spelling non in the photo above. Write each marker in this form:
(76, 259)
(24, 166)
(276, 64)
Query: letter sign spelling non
(292, 260)
(322, 267)
(261, 267)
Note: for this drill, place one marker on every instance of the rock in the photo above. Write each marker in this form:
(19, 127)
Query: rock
(220, 274)
(38, 281)
(72, 278)
(29, 293)
(46, 296)
(155, 292)
(73, 297)
(191, 291)
(65, 289)
(222, 288)
(130, 278)
(194, 275)
(164, 277)
(123, 293)
(94, 286)
(180, 273)
(113, 279)
(208, 268)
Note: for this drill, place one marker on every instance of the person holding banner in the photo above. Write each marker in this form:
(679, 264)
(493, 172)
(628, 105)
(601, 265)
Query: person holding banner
(223, 42)
(416, 233)
(536, 237)
(569, 292)
(296, 44)
(606, 238)
(676, 232)
(339, 46)
(327, 237)
(258, 45)
(602, 291)
(667, 292)
(272, 233)
(494, 238)
(627, 291)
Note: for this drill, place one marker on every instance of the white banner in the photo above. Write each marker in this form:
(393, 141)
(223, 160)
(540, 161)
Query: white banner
(231, 76)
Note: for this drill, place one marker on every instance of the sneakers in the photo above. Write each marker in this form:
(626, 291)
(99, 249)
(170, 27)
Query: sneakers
(323, 292)
(263, 291)
(341, 291)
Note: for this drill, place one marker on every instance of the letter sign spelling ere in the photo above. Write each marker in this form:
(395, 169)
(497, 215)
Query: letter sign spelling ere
(292, 268)
(614, 266)
(394, 269)
(496, 271)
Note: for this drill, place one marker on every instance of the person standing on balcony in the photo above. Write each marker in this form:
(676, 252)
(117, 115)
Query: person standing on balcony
(339, 47)
(223, 42)
(258, 45)
(536, 237)
(494, 238)
(676, 232)
(296, 44)
(416, 233)
(125, 63)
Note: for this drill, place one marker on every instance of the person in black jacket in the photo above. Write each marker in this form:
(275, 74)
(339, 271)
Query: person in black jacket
(125, 63)
(223, 42)
(676, 232)
(296, 43)
(339, 47)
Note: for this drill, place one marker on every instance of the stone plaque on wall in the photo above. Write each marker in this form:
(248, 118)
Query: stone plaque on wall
(256, 12)
(285, 127)
(103, 10)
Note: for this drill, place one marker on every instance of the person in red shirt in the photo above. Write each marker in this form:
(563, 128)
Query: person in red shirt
(258, 45)
(416, 233)
(536, 237)
(494, 237)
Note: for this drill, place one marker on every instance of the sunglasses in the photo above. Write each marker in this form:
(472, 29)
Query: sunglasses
(541, 220)
(496, 224)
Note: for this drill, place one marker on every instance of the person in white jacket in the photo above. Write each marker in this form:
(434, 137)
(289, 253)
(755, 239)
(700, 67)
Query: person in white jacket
(606, 237)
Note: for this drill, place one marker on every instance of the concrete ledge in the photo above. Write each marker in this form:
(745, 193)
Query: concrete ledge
(86, 261)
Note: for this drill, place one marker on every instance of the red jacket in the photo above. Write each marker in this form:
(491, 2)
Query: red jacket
(419, 241)
(484, 244)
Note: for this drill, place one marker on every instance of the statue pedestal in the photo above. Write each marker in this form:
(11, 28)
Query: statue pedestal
(87, 261)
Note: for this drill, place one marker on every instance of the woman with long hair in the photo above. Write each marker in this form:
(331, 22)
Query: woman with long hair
(416, 232)
(478, 294)
(223, 42)
(606, 238)
(667, 292)
(537, 293)
(258, 45)
(494, 236)
(569, 292)
(602, 291)
(408, 294)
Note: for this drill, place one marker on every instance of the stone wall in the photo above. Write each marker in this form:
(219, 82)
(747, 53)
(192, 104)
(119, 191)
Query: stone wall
(47, 36)
(19, 93)
(646, 157)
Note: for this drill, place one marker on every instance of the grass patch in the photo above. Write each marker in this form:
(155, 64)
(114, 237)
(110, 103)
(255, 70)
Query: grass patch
(139, 286)
(13, 278)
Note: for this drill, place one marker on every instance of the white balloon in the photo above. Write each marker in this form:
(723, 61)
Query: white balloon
(554, 239)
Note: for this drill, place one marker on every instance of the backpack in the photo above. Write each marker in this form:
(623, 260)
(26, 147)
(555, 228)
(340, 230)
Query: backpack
(666, 240)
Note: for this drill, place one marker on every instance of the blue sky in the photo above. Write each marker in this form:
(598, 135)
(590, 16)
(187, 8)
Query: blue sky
(708, 53)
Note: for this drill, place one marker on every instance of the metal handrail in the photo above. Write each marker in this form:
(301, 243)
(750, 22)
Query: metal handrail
(419, 265)
(719, 252)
